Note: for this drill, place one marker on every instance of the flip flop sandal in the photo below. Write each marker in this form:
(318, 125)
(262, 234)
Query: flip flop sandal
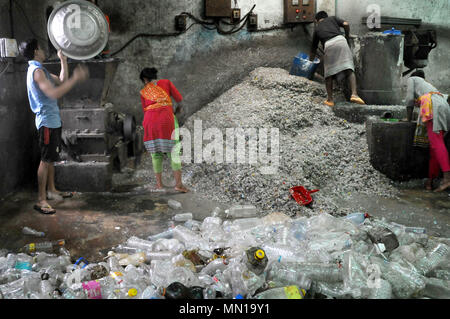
(357, 100)
(330, 104)
(41, 209)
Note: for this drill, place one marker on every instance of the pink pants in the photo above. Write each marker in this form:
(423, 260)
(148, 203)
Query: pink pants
(438, 152)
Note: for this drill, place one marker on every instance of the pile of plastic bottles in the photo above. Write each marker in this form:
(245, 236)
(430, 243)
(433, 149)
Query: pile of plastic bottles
(234, 254)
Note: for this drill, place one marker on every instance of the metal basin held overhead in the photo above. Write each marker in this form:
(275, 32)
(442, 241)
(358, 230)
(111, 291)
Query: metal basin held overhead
(79, 29)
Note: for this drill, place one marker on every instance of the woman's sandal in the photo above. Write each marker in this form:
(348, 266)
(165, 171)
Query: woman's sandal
(357, 100)
(44, 209)
(328, 103)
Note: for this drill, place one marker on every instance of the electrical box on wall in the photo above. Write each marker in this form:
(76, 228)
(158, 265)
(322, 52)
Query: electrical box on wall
(252, 24)
(8, 48)
(217, 8)
(180, 22)
(299, 11)
(235, 15)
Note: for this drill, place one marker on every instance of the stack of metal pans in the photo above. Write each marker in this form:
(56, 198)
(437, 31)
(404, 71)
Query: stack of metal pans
(79, 29)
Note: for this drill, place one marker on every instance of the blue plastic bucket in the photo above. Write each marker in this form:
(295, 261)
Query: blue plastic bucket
(303, 67)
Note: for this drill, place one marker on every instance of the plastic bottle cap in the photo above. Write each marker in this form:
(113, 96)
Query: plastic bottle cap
(259, 254)
(239, 296)
(132, 292)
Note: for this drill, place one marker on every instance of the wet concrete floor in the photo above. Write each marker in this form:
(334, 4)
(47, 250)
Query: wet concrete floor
(93, 223)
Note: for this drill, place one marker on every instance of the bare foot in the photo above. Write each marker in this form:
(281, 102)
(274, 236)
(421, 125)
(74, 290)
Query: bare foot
(44, 208)
(429, 185)
(181, 189)
(442, 187)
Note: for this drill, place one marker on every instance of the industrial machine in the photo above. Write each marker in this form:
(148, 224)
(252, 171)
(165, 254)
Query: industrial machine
(98, 139)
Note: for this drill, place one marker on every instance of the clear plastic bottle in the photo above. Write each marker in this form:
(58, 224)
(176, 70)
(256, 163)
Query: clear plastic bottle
(165, 234)
(213, 266)
(357, 218)
(174, 204)
(330, 273)
(46, 246)
(335, 290)
(135, 259)
(244, 224)
(209, 293)
(288, 292)
(139, 243)
(241, 211)
(218, 212)
(193, 224)
(384, 291)
(182, 217)
(284, 275)
(29, 231)
(151, 292)
(436, 256)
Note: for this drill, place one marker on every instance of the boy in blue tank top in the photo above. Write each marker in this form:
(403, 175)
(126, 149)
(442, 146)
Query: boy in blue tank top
(44, 90)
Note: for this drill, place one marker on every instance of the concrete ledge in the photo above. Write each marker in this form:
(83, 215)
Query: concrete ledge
(356, 113)
(83, 177)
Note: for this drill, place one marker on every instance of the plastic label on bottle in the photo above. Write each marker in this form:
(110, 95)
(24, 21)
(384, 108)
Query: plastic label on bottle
(23, 265)
(93, 290)
(292, 292)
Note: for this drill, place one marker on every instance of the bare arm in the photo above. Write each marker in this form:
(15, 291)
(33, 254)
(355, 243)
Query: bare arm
(64, 74)
(56, 92)
(347, 30)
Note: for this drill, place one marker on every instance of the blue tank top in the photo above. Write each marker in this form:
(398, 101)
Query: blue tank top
(45, 108)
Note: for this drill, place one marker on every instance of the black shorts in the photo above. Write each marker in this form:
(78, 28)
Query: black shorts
(50, 144)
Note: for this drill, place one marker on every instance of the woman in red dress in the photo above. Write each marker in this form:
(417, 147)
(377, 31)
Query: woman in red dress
(161, 135)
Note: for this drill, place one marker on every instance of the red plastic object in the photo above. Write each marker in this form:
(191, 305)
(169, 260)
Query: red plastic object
(302, 195)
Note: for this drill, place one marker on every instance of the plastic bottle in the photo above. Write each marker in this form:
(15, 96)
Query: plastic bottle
(32, 232)
(139, 243)
(174, 204)
(151, 292)
(384, 291)
(334, 290)
(182, 217)
(165, 234)
(218, 212)
(221, 285)
(288, 276)
(433, 259)
(357, 218)
(176, 290)
(213, 266)
(330, 273)
(23, 262)
(241, 211)
(193, 224)
(43, 246)
(244, 224)
(256, 260)
(134, 259)
(416, 230)
(288, 292)
(209, 293)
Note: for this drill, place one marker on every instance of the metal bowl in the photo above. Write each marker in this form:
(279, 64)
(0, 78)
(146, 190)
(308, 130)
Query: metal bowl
(79, 29)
